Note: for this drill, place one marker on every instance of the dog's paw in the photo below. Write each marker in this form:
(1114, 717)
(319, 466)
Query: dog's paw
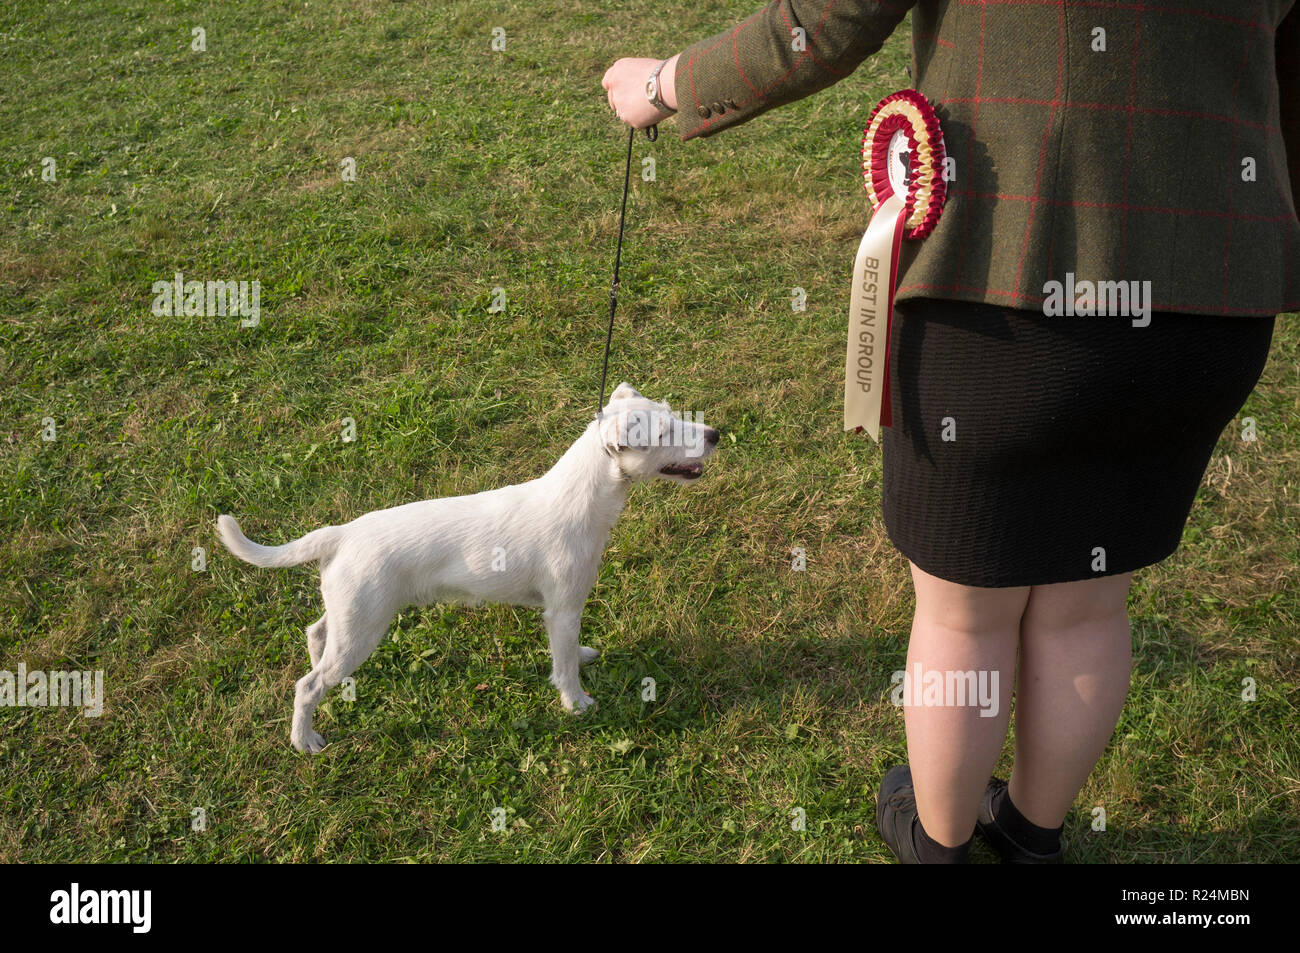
(577, 703)
(310, 742)
(586, 654)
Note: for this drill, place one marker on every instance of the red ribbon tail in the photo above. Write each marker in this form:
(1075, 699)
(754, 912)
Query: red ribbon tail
(886, 404)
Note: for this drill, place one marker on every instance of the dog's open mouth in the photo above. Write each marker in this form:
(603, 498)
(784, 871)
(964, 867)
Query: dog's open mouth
(690, 471)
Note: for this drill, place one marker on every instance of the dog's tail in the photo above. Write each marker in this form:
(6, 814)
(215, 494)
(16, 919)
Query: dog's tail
(314, 545)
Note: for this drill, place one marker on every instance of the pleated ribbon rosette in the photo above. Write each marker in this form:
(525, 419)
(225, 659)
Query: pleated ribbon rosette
(902, 163)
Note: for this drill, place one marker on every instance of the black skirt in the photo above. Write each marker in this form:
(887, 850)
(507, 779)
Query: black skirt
(1028, 450)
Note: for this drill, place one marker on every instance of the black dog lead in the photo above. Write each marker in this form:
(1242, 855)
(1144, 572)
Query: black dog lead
(651, 133)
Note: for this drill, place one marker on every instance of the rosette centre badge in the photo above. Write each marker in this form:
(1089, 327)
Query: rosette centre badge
(902, 163)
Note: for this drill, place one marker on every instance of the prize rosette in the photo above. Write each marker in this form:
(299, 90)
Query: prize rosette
(902, 163)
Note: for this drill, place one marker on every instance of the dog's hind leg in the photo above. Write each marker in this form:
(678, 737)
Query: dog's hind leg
(316, 636)
(308, 692)
(352, 637)
(562, 626)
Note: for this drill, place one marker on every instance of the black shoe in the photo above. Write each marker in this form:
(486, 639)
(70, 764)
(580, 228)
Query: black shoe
(896, 813)
(1000, 840)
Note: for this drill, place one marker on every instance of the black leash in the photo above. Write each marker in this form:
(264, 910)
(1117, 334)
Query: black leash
(651, 133)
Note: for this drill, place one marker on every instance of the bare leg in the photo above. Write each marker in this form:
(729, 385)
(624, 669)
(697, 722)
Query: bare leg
(1075, 661)
(952, 750)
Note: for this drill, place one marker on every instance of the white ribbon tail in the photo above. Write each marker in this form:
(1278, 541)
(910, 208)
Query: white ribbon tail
(873, 281)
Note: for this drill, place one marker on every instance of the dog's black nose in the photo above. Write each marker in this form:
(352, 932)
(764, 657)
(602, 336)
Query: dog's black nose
(711, 435)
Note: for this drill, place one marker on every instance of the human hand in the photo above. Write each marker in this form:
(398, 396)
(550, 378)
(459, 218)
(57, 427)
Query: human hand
(624, 84)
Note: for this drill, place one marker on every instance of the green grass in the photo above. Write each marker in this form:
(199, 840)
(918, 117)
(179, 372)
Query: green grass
(478, 169)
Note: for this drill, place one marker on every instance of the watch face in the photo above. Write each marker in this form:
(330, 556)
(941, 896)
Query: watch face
(651, 87)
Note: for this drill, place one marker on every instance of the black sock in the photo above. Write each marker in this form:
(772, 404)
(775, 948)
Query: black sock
(932, 852)
(1038, 840)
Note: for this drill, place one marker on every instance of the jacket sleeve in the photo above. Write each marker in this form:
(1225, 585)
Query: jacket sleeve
(1288, 84)
(764, 61)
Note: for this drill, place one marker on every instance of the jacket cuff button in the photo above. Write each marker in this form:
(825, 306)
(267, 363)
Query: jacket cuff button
(730, 104)
(717, 108)
(703, 112)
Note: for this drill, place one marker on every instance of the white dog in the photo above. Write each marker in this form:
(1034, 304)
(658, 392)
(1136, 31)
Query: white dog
(537, 543)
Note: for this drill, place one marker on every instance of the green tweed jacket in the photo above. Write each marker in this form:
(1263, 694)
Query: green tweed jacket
(1155, 151)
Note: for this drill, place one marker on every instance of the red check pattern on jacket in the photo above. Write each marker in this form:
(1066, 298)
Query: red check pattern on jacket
(1128, 163)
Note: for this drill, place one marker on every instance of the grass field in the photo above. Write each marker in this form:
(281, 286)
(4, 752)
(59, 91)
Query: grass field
(478, 169)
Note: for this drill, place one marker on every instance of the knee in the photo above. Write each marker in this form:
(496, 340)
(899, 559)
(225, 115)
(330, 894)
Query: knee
(968, 609)
(1074, 604)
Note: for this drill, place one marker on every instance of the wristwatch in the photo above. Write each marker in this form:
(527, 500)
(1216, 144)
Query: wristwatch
(652, 91)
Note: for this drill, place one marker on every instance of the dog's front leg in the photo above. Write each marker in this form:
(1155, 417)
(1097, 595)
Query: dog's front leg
(562, 626)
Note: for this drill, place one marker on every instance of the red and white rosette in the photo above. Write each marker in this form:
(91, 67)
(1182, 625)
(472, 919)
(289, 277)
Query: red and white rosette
(902, 162)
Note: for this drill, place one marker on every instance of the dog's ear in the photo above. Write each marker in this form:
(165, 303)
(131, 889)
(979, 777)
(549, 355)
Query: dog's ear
(625, 391)
(609, 428)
